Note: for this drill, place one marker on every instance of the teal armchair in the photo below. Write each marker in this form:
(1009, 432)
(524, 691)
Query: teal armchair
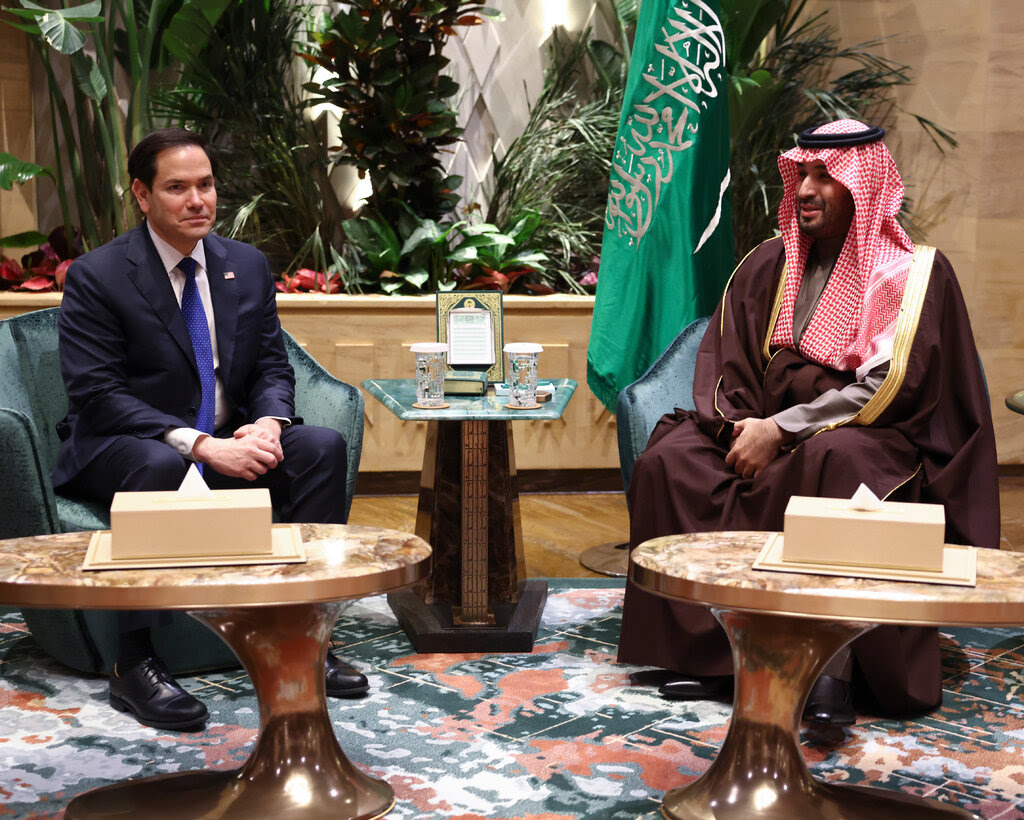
(32, 401)
(664, 386)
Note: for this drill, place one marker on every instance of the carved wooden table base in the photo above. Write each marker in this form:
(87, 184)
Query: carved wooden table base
(478, 598)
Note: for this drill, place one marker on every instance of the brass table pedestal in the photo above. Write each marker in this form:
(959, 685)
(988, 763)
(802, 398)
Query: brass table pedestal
(760, 770)
(607, 559)
(277, 618)
(297, 769)
(784, 627)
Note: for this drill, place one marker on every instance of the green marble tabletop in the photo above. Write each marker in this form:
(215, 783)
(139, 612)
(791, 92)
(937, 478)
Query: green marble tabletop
(398, 396)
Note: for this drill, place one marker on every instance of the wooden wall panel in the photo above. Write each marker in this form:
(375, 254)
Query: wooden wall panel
(362, 337)
(358, 338)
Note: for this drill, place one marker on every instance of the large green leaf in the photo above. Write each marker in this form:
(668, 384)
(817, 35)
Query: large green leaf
(427, 233)
(627, 11)
(464, 253)
(349, 24)
(608, 62)
(28, 239)
(88, 76)
(750, 98)
(747, 23)
(481, 228)
(529, 260)
(417, 278)
(57, 25)
(14, 170)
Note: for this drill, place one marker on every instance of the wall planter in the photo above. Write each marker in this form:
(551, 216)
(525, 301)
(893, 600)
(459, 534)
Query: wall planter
(361, 337)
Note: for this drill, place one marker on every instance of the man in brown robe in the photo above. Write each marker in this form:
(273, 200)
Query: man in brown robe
(840, 354)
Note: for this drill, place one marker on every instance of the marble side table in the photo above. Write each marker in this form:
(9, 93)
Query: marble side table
(784, 628)
(478, 598)
(277, 618)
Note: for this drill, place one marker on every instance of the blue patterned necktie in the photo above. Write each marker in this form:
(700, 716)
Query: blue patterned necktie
(199, 331)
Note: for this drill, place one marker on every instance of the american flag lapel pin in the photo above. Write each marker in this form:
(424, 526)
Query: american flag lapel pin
(229, 274)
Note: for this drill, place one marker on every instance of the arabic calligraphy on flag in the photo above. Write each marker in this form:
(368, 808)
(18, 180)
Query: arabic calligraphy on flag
(684, 73)
(667, 247)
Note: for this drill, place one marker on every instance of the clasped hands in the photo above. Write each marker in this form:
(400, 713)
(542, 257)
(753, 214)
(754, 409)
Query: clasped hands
(755, 443)
(254, 450)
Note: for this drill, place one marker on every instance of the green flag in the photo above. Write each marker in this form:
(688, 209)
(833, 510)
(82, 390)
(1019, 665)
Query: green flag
(667, 249)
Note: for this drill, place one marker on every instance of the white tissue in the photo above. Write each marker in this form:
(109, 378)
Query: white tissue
(865, 500)
(193, 486)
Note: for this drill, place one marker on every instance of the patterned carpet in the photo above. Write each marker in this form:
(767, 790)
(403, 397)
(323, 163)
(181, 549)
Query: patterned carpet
(557, 734)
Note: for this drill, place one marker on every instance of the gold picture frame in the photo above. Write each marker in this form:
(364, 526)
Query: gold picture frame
(473, 301)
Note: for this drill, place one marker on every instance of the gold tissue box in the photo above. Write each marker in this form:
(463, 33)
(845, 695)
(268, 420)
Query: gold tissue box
(899, 535)
(173, 525)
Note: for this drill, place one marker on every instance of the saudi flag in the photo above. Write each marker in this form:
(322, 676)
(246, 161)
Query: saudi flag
(667, 249)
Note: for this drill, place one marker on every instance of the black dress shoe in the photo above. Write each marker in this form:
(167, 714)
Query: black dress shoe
(149, 693)
(343, 681)
(711, 687)
(830, 703)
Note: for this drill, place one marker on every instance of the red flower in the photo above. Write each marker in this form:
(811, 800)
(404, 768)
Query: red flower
(309, 281)
(37, 283)
(10, 270)
(61, 273)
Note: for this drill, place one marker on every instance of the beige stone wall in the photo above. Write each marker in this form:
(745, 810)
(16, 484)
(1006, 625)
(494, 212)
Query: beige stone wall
(968, 60)
(17, 207)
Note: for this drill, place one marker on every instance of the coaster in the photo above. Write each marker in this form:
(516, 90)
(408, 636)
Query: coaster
(524, 407)
(959, 566)
(286, 548)
(431, 406)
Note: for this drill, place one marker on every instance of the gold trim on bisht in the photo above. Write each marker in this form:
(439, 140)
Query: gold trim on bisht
(728, 284)
(774, 317)
(906, 329)
(903, 483)
(918, 277)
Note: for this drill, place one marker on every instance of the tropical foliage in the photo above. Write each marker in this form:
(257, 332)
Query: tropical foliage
(43, 269)
(274, 187)
(233, 76)
(427, 255)
(92, 123)
(559, 166)
(384, 62)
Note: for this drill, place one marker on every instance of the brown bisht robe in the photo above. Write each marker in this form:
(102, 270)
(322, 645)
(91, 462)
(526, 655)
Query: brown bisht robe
(925, 436)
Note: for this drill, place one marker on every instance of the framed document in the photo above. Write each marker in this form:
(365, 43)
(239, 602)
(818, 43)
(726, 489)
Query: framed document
(471, 324)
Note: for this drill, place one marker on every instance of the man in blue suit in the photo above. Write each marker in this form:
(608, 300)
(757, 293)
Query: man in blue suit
(172, 354)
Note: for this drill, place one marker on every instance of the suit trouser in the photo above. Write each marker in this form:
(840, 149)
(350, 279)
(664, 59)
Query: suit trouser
(307, 486)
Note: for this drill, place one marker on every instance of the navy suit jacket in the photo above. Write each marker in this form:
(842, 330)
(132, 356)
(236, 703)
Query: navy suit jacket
(127, 358)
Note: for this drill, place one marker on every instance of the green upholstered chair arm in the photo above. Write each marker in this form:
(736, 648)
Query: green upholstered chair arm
(323, 400)
(666, 385)
(27, 503)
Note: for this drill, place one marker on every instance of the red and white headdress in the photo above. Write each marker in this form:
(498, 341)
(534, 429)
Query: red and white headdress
(854, 323)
